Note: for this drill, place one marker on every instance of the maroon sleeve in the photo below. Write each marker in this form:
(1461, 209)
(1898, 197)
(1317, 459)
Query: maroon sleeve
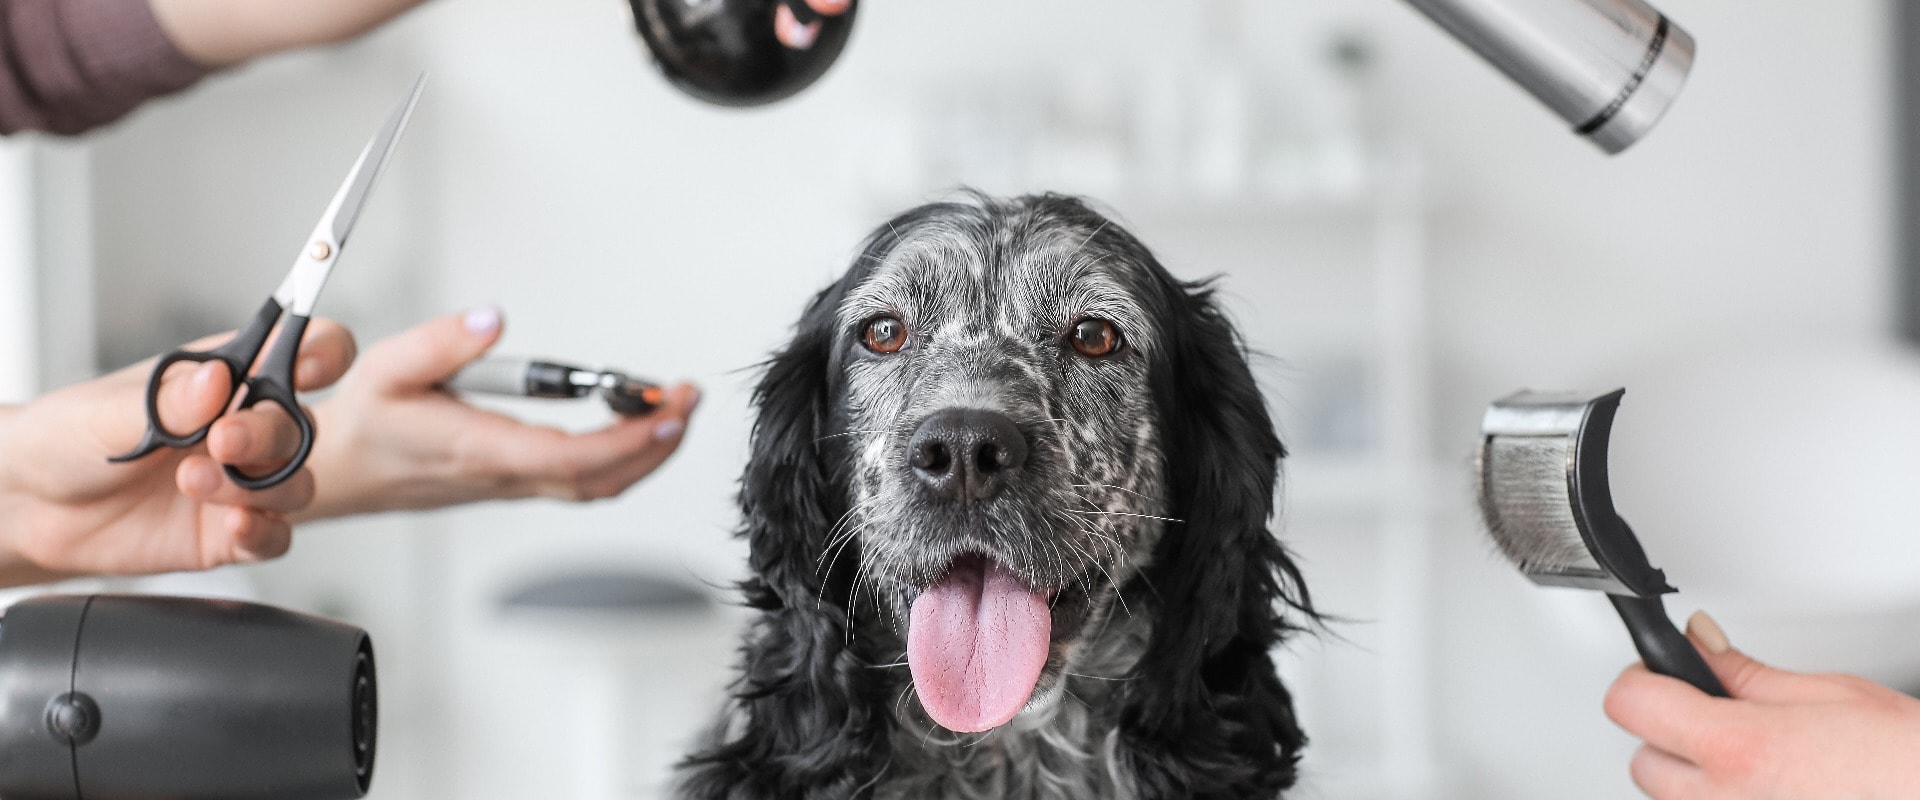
(70, 65)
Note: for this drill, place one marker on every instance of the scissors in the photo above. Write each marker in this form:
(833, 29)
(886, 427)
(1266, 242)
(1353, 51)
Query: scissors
(295, 298)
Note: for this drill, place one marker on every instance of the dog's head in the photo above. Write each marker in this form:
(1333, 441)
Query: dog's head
(1004, 426)
(1000, 439)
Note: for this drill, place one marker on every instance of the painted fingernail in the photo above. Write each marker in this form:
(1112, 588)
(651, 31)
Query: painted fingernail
(668, 430)
(483, 320)
(1708, 633)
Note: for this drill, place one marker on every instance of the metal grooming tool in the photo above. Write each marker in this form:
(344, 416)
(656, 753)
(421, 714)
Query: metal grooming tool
(1546, 501)
(526, 377)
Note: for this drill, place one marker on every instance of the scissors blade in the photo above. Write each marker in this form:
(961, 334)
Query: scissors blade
(301, 288)
(353, 194)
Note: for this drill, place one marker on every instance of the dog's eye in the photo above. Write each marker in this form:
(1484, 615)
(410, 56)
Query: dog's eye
(1095, 338)
(884, 335)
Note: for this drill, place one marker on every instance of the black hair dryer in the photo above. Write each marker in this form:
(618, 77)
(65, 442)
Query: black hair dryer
(118, 697)
(725, 52)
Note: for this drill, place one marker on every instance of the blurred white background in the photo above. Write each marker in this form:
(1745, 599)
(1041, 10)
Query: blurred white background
(1405, 235)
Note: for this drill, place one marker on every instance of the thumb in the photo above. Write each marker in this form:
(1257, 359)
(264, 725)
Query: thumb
(431, 352)
(1745, 677)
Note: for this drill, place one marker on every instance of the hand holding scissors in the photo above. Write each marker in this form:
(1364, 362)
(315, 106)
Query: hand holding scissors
(295, 299)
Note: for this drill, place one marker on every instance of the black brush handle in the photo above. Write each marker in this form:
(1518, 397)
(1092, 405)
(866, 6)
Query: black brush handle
(1663, 648)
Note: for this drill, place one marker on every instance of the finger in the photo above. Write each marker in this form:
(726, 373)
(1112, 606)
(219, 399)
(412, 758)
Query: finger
(831, 8)
(269, 536)
(238, 535)
(326, 351)
(623, 474)
(589, 465)
(194, 393)
(261, 438)
(1670, 714)
(1664, 776)
(1749, 679)
(202, 479)
(428, 354)
(788, 29)
(191, 395)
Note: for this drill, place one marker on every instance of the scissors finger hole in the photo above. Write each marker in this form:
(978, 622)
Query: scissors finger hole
(283, 436)
(188, 394)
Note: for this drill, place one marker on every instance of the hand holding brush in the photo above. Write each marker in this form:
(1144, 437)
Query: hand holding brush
(1783, 735)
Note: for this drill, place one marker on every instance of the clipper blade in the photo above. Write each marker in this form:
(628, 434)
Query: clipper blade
(1545, 497)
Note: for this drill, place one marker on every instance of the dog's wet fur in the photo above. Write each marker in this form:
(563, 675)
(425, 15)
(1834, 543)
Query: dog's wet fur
(1141, 506)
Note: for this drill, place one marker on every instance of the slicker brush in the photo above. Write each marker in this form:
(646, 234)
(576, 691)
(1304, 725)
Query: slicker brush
(1546, 501)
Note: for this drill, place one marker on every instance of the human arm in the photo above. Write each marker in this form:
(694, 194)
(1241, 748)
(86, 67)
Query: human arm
(1782, 735)
(219, 33)
(74, 65)
(396, 440)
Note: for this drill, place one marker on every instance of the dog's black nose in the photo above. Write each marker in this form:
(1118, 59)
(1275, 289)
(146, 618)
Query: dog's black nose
(966, 454)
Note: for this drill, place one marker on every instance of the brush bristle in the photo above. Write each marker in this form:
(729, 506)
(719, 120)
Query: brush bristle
(1525, 501)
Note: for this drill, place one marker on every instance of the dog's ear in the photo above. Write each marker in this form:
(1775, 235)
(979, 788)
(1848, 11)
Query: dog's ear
(805, 719)
(785, 493)
(1210, 717)
(791, 495)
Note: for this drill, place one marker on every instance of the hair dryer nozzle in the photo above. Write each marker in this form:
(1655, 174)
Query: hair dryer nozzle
(725, 51)
(1610, 68)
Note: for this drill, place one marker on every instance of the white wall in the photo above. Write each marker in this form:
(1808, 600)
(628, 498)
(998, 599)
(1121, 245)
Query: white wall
(19, 284)
(550, 171)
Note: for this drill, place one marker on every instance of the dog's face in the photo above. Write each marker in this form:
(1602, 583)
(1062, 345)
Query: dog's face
(1001, 450)
(1003, 419)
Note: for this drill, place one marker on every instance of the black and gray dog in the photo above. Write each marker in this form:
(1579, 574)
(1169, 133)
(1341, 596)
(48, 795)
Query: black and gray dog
(1008, 507)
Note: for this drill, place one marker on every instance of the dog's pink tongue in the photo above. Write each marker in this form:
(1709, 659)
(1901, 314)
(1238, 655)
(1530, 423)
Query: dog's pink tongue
(976, 643)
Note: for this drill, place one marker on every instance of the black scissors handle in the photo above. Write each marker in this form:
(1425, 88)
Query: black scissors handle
(238, 354)
(273, 383)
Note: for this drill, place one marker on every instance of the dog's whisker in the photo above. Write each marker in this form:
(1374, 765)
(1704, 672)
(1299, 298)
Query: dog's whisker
(983, 737)
(1117, 596)
(873, 781)
(1083, 242)
(1086, 526)
(927, 738)
(846, 541)
(900, 703)
(1100, 677)
(887, 666)
(1082, 577)
(850, 433)
(1125, 514)
(1109, 486)
(832, 536)
(1112, 544)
